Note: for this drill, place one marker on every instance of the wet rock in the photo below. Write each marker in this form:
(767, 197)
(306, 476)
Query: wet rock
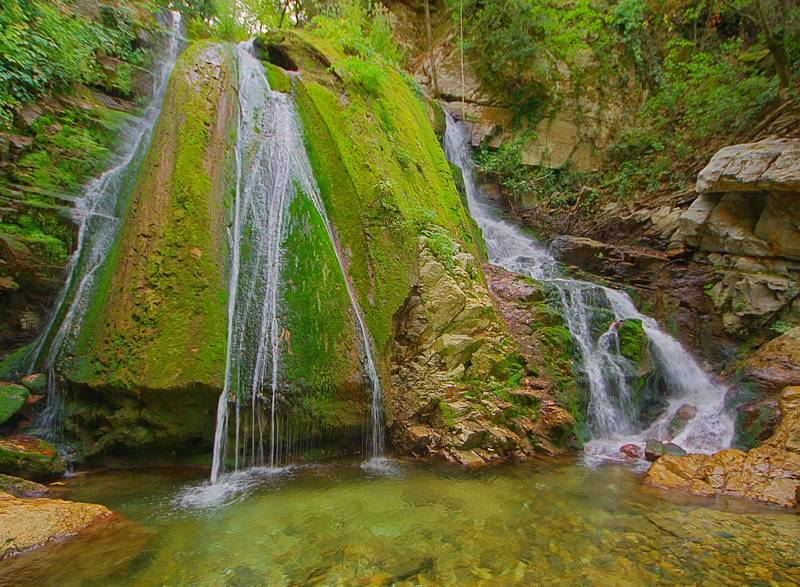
(682, 417)
(769, 473)
(12, 398)
(28, 523)
(632, 451)
(35, 382)
(30, 457)
(21, 487)
(777, 363)
(421, 438)
(582, 252)
(655, 449)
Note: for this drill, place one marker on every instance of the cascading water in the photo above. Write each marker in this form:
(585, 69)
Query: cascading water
(97, 215)
(272, 168)
(612, 418)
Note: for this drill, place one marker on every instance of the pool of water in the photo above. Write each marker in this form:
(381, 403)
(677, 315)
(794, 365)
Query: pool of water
(341, 523)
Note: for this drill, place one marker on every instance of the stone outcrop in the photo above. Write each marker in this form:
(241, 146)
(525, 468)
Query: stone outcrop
(450, 361)
(771, 165)
(21, 487)
(28, 523)
(769, 473)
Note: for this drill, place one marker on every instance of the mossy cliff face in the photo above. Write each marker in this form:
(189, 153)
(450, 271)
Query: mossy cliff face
(321, 356)
(157, 323)
(381, 172)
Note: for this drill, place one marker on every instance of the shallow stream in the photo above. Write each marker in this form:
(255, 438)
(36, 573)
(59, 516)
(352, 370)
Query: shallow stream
(339, 523)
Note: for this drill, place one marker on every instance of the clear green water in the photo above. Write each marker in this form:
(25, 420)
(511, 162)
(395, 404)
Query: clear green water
(338, 524)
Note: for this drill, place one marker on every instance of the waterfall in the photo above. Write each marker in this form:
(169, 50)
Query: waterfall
(98, 217)
(613, 421)
(272, 168)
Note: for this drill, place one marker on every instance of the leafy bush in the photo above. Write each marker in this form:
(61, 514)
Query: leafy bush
(44, 49)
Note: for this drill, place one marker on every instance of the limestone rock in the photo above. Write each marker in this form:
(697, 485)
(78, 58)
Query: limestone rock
(579, 251)
(777, 363)
(12, 398)
(655, 450)
(28, 523)
(768, 165)
(30, 457)
(769, 473)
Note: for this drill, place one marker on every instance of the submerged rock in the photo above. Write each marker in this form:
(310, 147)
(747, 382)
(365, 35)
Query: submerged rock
(30, 457)
(12, 398)
(28, 523)
(769, 473)
(632, 451)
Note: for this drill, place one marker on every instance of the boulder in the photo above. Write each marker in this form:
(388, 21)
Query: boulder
(21, 487)
(682, 417)
(765, 166)
(768, 474)
(632, 451)
(655, 449)
(777, 363)
(12, 398)
(28, 523)
(35, 382)
(586, 253)
(30, 457)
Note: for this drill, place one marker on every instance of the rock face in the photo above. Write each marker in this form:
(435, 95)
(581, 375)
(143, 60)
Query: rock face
(769, 473)
(30, 457)
(450, 361)
(28, 523)
(149, 361)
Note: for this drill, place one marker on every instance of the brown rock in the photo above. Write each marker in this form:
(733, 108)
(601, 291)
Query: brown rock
(28, 523)
(777, 363)
(769, 473)
(632, 451)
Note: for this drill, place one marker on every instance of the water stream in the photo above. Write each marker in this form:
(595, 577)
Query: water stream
(97, 215)
(272, 168)
(613, 420)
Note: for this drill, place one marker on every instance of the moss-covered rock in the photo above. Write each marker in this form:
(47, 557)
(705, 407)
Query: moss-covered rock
(158, 317)
(35, 383)
(21, 487)
(30, 457)
(321, 359)
(632, 340)
(382, 174)
(12, 398)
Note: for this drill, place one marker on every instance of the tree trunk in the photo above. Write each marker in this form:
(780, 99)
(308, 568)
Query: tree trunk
(777, 47)
(434, 75)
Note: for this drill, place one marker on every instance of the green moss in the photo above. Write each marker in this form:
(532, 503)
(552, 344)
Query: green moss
(12, 398)
(13, 365)
(632, 340)
(383, 177)
(278, 79)
(321, 352)
(158, 316)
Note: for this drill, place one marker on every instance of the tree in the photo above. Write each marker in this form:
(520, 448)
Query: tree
(770, 17)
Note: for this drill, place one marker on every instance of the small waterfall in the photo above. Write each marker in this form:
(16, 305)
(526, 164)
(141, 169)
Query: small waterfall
(97, 215)
(272, 168)
(613, 420)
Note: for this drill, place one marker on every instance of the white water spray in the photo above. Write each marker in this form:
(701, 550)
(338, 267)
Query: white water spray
(612, 418)
(272, 164)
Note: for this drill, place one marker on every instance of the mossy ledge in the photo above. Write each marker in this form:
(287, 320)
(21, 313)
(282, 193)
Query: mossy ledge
(157, 321)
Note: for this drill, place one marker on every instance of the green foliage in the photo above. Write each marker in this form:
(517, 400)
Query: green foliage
(45, 48)
(780, 327)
